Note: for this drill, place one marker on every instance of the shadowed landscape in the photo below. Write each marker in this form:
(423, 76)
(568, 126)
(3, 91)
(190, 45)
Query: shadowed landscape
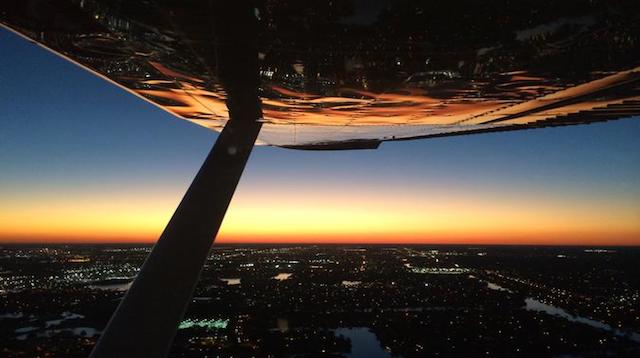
(340, 300)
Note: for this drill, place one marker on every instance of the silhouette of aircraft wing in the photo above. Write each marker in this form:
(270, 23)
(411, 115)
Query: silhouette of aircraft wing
(328, 75)
(332, 78)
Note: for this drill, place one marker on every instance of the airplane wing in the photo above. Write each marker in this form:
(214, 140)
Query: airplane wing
(336, 77)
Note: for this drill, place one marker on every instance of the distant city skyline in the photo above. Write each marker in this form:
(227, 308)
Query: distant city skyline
(84, 161)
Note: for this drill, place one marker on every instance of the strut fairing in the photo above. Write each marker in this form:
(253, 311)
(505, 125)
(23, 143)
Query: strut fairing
(337, 75)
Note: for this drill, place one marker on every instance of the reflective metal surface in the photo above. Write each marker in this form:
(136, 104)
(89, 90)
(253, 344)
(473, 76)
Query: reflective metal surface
(349, 74)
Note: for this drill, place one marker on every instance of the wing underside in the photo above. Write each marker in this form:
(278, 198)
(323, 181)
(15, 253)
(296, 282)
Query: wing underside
(335, 89)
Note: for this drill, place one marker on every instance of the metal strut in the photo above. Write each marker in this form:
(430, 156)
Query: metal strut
(146, 320)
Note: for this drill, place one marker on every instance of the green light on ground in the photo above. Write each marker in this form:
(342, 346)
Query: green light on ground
(204, 323)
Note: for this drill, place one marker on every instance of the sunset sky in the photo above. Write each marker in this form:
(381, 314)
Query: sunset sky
(83, 161)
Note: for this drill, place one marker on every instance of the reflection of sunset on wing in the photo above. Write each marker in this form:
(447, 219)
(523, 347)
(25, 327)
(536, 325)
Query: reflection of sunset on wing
(512, 99)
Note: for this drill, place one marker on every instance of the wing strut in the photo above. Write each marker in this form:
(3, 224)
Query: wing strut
(147, 319)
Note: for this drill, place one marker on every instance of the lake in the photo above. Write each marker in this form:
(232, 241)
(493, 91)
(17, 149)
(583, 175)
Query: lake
(531, 304)
(364, 343)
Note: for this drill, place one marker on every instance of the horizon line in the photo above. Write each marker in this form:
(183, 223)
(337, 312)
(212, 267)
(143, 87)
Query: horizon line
(294, 243)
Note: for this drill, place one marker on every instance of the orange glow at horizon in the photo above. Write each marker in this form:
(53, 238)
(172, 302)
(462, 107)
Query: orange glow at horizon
(348, 215)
